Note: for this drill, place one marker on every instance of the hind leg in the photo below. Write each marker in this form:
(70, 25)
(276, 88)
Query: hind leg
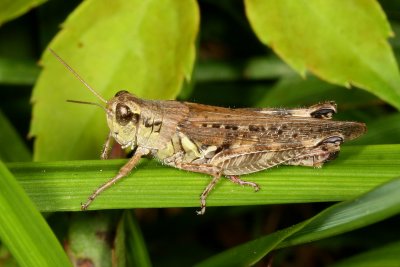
(236, 180)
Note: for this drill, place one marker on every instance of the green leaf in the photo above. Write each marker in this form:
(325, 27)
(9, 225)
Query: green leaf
(12, 148)
(22, 228)
(374, 206)
(136, 245)
(145, 47)
(10, 9)
(57, 186)
(387, 256)
(347, 48)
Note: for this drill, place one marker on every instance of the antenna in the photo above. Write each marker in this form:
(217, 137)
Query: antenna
(87, 103)
(77, 75)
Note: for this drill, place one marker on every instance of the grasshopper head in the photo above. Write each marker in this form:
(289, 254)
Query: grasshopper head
(123, 113)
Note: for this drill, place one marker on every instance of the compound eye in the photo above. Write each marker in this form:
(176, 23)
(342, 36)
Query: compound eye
(124, 115)
(121, 92)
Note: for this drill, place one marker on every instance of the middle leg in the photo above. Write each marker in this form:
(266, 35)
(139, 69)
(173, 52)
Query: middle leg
(215, 172)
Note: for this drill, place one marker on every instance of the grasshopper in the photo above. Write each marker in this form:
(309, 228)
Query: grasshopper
(219, 141)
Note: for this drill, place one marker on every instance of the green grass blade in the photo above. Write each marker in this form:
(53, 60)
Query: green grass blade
(12, 148)
(136, 245)
(57, 186)
(372, 207)
(251, 252)
(119, 250)
(18, 72)
(369, 208)
(387, 256)
(22, 228)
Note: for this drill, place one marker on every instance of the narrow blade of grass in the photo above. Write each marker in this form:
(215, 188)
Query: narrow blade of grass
(387, 256)
(18, 72)
(374, 206)
(22, 228)
(136, 245)
(56, 186)
(12, 148)
(119, 250)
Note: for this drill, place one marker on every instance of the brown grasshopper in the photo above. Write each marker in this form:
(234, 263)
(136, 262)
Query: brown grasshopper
(220, 141)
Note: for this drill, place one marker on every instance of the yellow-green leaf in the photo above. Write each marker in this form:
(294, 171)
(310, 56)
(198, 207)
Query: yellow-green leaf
(145, 47)
(343, 42)
(10, 9)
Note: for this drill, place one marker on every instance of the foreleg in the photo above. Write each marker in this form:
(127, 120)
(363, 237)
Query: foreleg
(125, 170)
